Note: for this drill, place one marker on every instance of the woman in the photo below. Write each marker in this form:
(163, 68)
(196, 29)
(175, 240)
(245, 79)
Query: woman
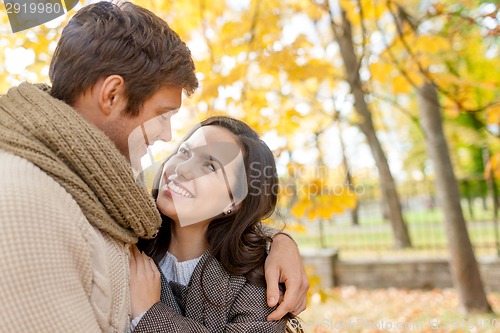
(212, 195)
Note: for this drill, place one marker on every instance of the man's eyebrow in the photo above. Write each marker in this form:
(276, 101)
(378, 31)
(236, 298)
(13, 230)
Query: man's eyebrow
(165, 109)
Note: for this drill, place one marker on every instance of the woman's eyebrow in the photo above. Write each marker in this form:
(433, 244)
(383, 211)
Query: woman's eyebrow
(212, 158)
(203, 154)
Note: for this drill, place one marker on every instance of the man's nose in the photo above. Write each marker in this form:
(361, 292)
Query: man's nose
(165, 132)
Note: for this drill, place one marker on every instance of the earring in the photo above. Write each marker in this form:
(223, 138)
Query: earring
(229, 211)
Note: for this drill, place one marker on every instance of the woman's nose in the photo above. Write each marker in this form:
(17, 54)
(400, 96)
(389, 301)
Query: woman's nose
(185, 169)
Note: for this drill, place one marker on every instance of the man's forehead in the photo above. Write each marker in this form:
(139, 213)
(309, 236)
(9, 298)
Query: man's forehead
(165, 98)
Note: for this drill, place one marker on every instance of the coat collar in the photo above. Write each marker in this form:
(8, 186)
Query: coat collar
(209, 294)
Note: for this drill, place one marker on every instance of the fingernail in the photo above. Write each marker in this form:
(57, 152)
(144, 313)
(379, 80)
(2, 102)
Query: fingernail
(272, 300)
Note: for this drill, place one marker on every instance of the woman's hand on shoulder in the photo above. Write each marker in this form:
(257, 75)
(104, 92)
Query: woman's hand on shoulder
(145, 282)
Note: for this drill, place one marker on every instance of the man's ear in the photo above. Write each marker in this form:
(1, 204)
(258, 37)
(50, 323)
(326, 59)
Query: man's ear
(111, 95)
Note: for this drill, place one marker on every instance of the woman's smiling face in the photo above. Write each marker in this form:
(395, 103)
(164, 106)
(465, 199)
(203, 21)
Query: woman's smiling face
(197, 181)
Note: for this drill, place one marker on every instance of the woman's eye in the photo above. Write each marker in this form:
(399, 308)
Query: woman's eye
(211, 166)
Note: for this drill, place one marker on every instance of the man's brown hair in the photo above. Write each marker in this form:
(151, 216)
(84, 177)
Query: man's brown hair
(105, 39)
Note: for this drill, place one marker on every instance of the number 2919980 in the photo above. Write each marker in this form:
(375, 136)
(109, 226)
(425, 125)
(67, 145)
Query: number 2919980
(34, 8)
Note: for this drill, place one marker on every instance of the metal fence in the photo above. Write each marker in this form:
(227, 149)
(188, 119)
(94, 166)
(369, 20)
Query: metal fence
(372, 235)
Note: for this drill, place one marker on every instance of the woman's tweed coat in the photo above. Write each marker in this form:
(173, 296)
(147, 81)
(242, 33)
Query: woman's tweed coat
(214, 301)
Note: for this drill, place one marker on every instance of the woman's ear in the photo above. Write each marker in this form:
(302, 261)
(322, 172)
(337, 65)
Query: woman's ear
(230, 209)
(111, 96)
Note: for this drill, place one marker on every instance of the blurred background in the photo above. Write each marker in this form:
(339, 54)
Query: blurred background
(384, 117)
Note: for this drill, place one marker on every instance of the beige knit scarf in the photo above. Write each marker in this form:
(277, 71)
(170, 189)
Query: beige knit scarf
(53, 136)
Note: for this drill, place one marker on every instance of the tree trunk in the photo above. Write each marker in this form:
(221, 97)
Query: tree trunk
(348, 176)
(463, 265)
(322, 243)
(494, 193)
(390, 197)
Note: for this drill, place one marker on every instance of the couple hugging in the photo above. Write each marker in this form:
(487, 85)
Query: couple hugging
(83, 248)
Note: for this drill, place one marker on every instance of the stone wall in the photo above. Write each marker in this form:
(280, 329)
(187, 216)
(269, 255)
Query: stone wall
(323, 262)
(412, 273)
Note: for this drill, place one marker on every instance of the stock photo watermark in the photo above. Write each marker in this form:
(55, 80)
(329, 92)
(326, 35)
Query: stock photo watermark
(308, 189)
(398, 326)
(27, 14)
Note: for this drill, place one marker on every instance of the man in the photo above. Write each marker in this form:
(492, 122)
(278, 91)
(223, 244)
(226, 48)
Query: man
(69, 206)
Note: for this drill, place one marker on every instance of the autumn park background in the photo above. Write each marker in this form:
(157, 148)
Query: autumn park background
(384, 117)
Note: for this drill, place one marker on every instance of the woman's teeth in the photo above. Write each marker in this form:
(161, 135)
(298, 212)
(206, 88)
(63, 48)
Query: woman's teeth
(178, 190)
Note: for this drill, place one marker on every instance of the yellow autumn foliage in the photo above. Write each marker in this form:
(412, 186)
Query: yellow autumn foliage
(317, 199)
(493, 166)
(493, 114)
(400, 85)
(269, 67)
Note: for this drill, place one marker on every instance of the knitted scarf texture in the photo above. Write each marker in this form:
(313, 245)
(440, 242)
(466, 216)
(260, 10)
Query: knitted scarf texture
(83, 160)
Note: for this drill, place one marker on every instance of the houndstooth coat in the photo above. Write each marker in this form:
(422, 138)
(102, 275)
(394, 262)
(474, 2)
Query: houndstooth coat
(227, 303)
